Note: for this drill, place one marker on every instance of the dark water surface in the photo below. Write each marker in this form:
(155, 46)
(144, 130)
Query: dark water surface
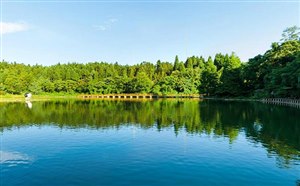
(162, 142)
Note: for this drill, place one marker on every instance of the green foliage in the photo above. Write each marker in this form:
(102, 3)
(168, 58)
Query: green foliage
(176, 63)
(274, 73)
(230, 81)
(210, 78)
(291, 33)
(140, 84)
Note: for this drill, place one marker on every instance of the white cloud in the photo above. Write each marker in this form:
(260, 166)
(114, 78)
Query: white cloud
(113, 20)
(106, 25)
(9, 27)
(100, 27)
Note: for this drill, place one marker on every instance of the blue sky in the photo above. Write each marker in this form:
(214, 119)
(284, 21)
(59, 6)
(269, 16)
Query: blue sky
(48, 32)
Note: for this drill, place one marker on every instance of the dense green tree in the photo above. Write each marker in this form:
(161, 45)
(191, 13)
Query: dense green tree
(219, 61)
(230, 81)
(274, 73)
(189, 62)
(269, 74)
(210, 78)
(166, 85)
(176, 63)
(141, 83)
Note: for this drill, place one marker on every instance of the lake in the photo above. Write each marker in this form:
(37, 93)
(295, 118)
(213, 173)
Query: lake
(158, 142)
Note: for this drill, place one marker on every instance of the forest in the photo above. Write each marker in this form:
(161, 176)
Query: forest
(276, 73)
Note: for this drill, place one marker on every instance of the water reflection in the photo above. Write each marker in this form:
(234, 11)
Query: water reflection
(28, 104)
(276, 128)
(14, 158)
(257, 126)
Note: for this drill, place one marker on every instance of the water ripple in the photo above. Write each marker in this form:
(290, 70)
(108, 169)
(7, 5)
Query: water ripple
(14, 158)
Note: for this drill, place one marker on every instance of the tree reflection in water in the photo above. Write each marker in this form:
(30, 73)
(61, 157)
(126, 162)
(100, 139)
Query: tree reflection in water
(276, 128)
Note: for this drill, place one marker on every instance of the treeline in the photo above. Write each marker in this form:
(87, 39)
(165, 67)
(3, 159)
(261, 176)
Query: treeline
(275, 73)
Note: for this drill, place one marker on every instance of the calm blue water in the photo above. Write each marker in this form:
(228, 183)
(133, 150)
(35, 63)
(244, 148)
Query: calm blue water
(50, 151)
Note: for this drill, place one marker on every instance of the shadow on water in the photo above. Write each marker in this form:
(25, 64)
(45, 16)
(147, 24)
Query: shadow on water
(276, 128)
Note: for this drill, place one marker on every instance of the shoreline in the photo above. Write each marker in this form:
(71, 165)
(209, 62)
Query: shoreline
(21, 98)
(145, 97)
(17, 98)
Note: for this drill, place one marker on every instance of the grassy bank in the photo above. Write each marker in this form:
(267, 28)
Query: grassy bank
(21, 98)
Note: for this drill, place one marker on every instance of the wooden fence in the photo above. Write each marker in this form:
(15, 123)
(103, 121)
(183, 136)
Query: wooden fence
(138, 96)
(277, 101)
(282, 101)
